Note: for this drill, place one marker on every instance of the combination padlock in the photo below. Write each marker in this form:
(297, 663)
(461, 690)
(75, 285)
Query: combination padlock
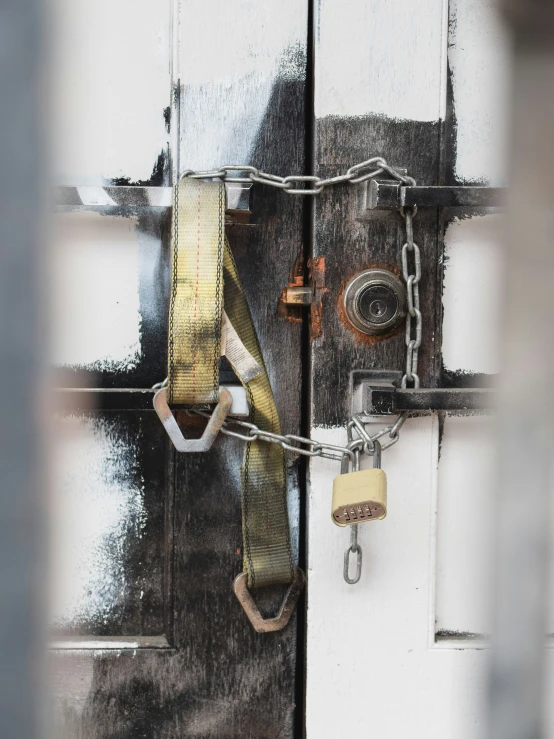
(360, 495)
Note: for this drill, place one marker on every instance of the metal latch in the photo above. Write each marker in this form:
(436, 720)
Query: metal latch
(378, 393)
(299, 295)
(392, 194)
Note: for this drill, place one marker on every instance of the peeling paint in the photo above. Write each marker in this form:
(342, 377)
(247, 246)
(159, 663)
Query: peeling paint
(214, 84)
(98, 506)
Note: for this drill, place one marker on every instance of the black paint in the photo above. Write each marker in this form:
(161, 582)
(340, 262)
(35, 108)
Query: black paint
(349, 245)
(140, 443)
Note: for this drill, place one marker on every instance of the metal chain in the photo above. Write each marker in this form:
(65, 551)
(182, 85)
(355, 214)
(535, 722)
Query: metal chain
(309, 447)
(311, 185)
(303, 184)
(412, 276)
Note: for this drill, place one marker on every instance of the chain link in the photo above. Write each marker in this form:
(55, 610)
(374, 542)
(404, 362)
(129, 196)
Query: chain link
(302, 184)
(412, 276)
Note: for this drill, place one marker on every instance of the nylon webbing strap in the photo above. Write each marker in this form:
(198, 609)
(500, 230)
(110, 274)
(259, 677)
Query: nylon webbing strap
(196, 303)
(203, 273)
(265, 523)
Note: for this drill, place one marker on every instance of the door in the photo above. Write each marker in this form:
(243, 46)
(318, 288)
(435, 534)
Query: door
(149, 639)
(404, 652)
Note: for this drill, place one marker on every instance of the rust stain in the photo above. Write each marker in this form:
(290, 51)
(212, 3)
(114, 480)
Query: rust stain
(360, 337)
(316, 268)
(292, 313)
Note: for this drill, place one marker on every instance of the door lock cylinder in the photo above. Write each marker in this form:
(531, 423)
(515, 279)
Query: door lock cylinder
(375, 301)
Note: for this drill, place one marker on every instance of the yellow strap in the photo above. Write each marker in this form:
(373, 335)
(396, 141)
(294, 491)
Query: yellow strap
(267, 554)
(196, 304)
(203, 270)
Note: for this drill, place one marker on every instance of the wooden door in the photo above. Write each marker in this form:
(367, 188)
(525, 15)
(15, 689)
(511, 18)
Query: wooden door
(149, 639)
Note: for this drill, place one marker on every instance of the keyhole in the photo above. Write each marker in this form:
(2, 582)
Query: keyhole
(377, 308)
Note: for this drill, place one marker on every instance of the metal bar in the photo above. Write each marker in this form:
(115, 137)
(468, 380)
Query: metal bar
(453, 197)
(67, 400)
(525, 429)
(238, 196)
(390, 194)
(444, 399)
(386, 399)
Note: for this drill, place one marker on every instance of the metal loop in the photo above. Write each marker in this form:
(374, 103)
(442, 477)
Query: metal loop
(375, 162)
(240, 168)
(266, 180)
(369, 445)
(209, 174)
(365, 177)
(335, 180)
(410, 209)
(395, 429)
(354, 548)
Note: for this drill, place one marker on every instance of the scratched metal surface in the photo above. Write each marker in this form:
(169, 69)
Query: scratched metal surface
(167, 652)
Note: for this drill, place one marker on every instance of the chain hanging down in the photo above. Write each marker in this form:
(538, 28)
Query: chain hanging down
(410, 252)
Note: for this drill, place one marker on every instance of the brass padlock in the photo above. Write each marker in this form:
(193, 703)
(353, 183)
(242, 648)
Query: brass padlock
(361, 495)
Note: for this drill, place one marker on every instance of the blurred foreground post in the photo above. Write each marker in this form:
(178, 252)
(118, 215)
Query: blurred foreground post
(22, 486)
(526, 413)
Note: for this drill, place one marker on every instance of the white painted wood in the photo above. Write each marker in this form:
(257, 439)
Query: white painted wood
(111, 75)
(381, 57)
(472, 295)
(479, 60)
(371, 660)
(95, 291)
(464, 527)
(372, 666)
(213, 83)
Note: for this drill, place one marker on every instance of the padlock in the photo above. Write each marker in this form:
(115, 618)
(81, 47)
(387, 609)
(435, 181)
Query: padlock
(361, 495)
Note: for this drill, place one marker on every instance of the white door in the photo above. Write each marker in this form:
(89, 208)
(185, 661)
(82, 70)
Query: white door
(404, 652)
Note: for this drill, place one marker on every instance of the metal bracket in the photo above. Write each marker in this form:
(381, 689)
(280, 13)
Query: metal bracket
(391, 194)
(263, 625)
(205, 442)
(299, 295)
(378, 393)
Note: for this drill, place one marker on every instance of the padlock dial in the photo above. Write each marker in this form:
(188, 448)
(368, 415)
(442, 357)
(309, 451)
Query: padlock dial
(359, 497)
